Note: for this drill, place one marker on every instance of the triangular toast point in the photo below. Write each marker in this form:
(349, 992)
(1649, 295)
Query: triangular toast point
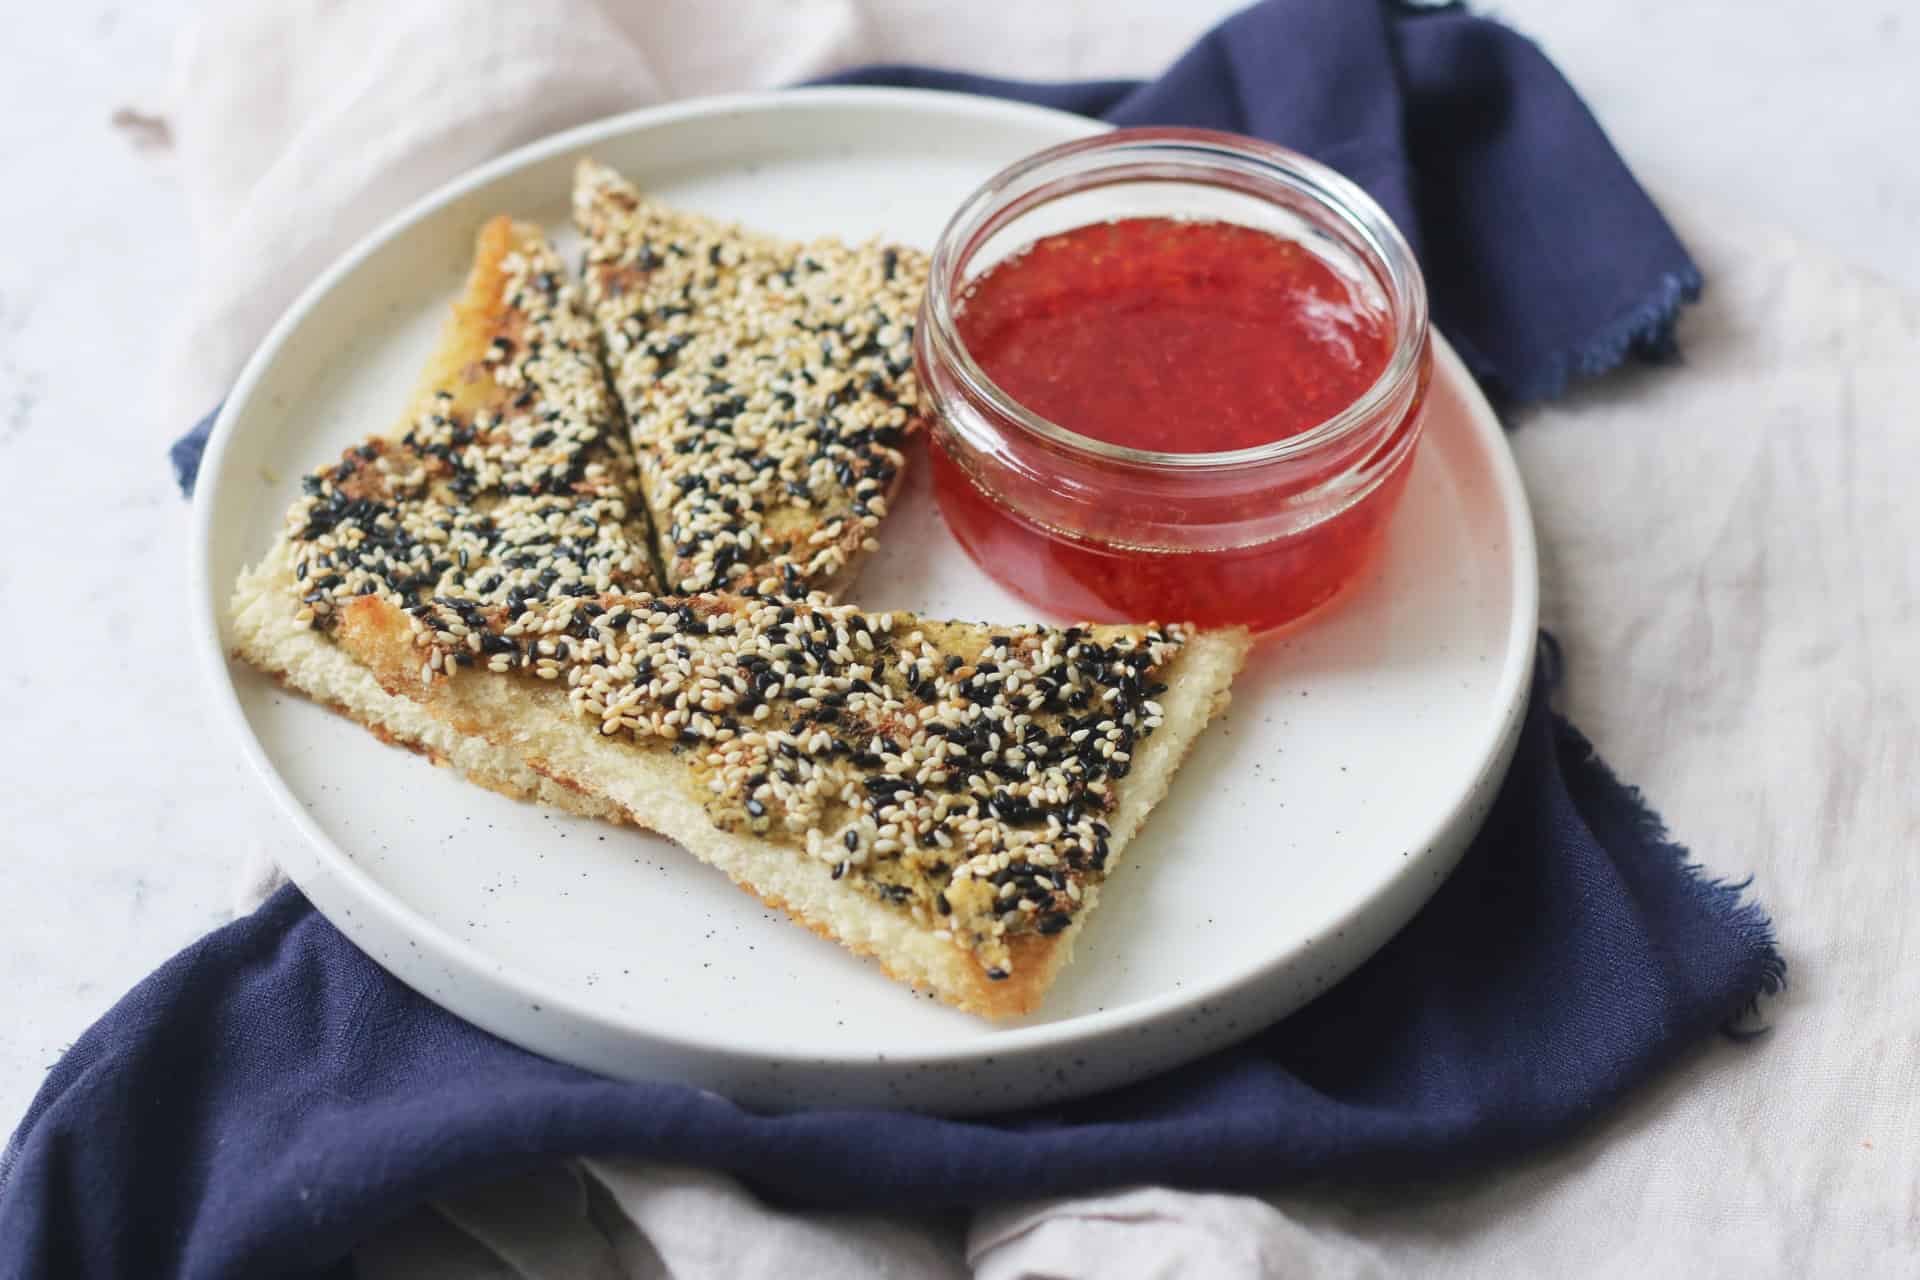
(945, 797)
(768, 386)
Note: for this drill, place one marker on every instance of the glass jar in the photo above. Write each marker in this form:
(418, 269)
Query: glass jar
(1258, 535)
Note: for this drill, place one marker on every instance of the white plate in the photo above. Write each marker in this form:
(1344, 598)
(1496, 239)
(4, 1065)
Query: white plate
(1313, 819)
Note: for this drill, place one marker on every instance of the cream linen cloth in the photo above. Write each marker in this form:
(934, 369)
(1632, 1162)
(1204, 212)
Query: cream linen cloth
(1731, 556)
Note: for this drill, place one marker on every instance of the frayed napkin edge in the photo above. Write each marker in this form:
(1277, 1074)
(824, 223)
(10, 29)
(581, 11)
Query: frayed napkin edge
(1646, 329)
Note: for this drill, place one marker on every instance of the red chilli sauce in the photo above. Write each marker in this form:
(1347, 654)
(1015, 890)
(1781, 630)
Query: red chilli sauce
(1181, 337)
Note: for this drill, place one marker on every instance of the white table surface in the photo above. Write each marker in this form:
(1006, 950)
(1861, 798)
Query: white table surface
(123, 809)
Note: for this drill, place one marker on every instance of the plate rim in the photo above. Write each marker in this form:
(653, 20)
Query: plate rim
(742, 1044)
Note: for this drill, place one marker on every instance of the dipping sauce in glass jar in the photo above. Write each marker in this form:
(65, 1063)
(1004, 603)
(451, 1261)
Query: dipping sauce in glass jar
(1176, 375)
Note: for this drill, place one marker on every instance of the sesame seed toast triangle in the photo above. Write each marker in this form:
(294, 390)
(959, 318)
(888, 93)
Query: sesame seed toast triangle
(768, 386)
(946, 798)
(476, 587)
(508, 476)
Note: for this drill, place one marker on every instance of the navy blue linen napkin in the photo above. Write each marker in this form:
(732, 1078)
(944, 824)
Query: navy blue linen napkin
(270, 1096)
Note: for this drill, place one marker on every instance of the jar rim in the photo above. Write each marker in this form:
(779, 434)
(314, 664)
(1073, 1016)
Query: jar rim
(1330, 192)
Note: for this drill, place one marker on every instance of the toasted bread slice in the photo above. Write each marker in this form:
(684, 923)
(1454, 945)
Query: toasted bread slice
(508, 479)
(768, 386)
(944, 797)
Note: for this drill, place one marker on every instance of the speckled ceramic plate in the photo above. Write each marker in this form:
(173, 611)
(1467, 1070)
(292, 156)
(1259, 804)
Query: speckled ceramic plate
(1311, 821)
